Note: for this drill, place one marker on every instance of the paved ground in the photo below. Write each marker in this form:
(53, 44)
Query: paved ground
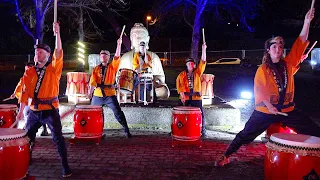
(148, 155)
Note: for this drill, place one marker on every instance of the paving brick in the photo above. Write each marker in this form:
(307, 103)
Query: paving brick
(148, 155)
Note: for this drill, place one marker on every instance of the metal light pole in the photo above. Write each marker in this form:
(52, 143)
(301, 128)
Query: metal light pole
(148, 18)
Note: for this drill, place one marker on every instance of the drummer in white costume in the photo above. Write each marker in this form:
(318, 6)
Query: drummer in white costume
(140, 34)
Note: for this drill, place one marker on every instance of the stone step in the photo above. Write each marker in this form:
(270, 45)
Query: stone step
(157, 116)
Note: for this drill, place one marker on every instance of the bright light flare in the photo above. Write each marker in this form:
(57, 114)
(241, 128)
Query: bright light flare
(246, 95)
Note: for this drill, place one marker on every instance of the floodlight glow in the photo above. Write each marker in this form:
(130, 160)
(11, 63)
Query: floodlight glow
(81, 50)
(313, 62)
(81, 60)
(81, 55)
(246, 95)
(81, 44)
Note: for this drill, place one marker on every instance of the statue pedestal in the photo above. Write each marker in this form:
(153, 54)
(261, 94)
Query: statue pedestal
(78, 99)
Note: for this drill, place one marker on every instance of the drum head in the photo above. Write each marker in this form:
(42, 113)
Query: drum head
(147, 75)
(299, 140)
(125, 91)
(9, 134)
(88, 107)
(186, 108)
(162, 92)
(8, 106)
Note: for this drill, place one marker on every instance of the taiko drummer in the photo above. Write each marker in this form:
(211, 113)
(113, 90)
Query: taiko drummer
(41, 84)
(102, 85)
(274, 92)
(188, 84)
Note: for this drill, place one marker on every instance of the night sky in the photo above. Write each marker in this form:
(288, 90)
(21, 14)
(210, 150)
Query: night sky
(274, 17)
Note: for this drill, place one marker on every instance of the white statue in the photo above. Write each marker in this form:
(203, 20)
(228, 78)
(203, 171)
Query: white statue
(140, 34)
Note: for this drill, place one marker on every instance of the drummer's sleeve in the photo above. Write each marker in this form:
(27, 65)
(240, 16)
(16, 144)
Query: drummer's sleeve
(201, 67)
(26, 79)
(18, 89)
(179, 84)
(261, 89)
(93, 77)
(57, 63)
(295, 54)
(115, 63)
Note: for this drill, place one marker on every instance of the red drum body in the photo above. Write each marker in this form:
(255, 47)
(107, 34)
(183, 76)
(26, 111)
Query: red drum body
(186, 123)
(278, 128)
(14, 154)
(207, 85)
(88, 121)
(77, 83)
(7, 115)
(292, 157)
(125, 80)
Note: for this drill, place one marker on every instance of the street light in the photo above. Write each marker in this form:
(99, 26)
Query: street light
(147, 20)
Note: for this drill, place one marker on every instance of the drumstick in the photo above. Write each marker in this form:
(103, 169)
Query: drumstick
(281, 113)
(37, 41)
(203, 38)
(55, 13)
(15, 123)
(312, 4)
(312, 47)
(55, 10)
(6, 99)
(124, 26)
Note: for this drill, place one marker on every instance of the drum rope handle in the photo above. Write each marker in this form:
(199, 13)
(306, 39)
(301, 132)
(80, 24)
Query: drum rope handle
(13, 124)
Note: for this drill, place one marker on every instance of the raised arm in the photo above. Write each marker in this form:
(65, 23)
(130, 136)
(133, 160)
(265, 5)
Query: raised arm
(306, 25)
(58, 43)
(204, 52)
(118, 50)
(202, 64)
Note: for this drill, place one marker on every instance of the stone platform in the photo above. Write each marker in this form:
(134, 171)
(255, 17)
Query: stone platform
(158, 115)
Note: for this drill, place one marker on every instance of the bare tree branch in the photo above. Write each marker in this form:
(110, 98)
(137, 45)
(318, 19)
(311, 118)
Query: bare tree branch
(21, 20)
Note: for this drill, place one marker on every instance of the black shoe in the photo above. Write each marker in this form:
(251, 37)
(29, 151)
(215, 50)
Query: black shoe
(66, 175)
(128, 135)
(44, 133)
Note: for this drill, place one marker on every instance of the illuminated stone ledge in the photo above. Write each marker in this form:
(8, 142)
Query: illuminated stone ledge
(159, 117)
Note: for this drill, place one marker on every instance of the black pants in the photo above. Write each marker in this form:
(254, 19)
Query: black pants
(196, 103)
(112, 103)
(52, 119)
(259, 122)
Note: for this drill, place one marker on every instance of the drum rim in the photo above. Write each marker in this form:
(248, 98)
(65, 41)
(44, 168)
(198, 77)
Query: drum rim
(279, 139)
(8, 106)
(77, 73)
(19, 134)
(186, 108)
(88, 107)
(126, 69)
